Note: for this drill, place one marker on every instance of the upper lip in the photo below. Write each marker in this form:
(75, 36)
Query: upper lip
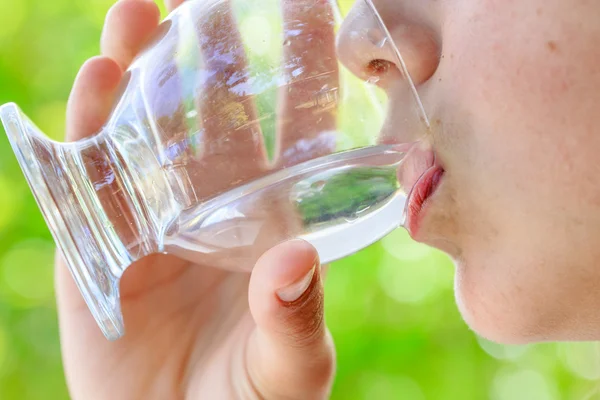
(419, 174)
(419, 158)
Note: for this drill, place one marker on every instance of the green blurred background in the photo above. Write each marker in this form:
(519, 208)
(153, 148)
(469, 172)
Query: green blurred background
(390, 308)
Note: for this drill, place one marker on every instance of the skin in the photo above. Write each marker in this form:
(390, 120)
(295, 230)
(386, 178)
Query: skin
(193, 331)
(511, 88)
(511, 101)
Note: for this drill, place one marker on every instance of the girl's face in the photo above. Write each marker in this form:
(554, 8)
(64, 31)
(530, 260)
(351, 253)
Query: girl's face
(513, 92)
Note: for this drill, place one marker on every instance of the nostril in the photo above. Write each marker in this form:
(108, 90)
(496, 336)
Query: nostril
(371, 50)
(380, 72)
(420, 54)
(379, 67)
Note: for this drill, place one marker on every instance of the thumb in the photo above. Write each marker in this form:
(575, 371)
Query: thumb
(291, 354)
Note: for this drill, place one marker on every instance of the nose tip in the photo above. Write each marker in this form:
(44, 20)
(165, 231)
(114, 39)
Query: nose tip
(367, 51)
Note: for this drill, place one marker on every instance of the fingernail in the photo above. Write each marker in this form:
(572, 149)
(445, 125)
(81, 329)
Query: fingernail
(295, 290)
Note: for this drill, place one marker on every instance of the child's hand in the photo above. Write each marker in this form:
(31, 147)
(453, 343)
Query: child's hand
(192, 331)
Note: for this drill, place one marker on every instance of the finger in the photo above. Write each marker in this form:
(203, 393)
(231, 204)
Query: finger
(92, 95)
(308, 103)
(89, 105)
(173, 4)
(231, 137)
(128, 26)
(291, 352)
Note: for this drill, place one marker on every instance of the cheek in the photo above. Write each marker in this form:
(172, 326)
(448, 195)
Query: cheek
(518, 65)
(519, 104)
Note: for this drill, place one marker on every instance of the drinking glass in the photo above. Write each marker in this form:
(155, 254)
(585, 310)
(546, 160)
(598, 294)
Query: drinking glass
(238, 127)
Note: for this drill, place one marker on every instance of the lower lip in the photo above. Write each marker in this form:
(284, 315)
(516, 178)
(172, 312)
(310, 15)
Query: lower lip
(418, 200)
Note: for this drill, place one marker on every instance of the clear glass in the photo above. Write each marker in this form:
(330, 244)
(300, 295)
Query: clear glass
(237, 128)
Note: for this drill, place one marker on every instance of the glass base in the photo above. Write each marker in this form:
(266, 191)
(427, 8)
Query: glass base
(58, 181)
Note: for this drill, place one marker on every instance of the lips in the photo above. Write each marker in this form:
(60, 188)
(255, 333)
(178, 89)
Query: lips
(421, 174)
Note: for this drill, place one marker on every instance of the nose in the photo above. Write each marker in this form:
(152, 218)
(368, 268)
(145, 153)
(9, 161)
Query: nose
(365, 49)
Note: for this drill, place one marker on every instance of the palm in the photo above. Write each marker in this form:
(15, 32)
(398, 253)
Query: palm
(180, 319)
(185, 323)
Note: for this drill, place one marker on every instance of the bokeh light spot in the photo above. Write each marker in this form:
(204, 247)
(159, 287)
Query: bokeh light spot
(379, 386)
(500, 351)
(408, 282)
(522, 384)
(582, 358)
(11, 18)
(400, 245)
(350, 297)
(9, 203)
(27, 272)
(38, 327)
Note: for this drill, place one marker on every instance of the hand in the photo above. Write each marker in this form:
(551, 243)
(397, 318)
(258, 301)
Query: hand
(192, 331)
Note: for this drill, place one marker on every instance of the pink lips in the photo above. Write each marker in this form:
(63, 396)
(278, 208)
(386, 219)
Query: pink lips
(420, 174)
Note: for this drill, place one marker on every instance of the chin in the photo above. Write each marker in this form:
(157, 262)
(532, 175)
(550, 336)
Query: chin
(511, 317)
